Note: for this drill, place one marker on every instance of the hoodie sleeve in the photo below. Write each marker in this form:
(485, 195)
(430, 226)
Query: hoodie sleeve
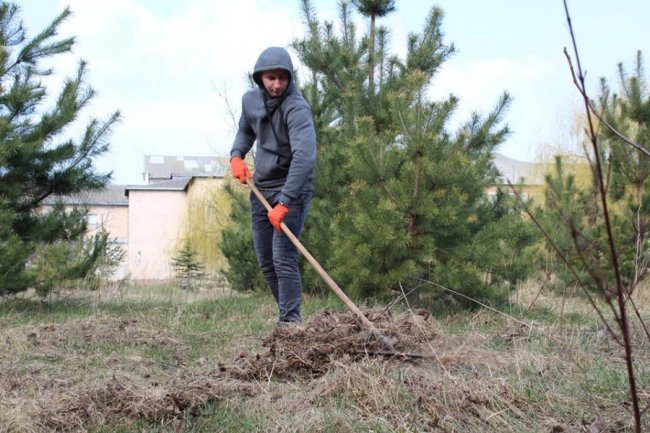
(245, 136)
(302, 139)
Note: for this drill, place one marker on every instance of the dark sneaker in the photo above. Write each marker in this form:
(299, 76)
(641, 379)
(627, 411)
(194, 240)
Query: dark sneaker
(283, 324)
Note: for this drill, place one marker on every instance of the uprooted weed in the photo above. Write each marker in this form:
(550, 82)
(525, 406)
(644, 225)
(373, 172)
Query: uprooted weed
(308, 351)
(123, 400)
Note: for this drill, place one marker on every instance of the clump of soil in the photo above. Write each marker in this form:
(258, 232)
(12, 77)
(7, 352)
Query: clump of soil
(306, 351)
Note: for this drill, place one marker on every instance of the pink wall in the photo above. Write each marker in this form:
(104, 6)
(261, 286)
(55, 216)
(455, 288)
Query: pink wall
(156, 219)
(115, 219)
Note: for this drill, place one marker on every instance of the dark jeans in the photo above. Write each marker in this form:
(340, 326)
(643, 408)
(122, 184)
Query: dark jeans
(276, 255)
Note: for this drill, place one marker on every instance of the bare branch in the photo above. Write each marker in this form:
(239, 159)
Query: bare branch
(599, 116)
(623, 323)
(229, 109)
(567, 263)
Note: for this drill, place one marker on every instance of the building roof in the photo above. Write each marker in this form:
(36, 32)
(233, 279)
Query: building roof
(168, 175)
(176, 184)
(515, 171)
(157, 167)
(112, 195)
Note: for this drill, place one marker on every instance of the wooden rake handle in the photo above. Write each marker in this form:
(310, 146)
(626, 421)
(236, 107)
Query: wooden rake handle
(324, 275)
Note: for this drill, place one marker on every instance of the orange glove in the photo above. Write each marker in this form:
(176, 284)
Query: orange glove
(239, 169)
(277, 214)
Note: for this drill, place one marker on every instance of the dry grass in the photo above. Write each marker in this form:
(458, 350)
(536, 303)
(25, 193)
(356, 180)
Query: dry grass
(175, 361)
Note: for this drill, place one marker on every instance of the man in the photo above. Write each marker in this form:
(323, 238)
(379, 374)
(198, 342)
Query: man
(278, 117)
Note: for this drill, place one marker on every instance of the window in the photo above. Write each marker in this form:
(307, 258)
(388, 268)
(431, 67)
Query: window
(91, 219)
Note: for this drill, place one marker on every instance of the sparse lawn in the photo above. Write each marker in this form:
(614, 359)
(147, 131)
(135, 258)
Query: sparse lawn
(161, 359)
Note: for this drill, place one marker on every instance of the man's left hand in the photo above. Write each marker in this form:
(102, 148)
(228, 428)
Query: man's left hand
(277, 214)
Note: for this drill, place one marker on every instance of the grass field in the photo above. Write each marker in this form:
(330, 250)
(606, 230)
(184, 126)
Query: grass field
(165, 360)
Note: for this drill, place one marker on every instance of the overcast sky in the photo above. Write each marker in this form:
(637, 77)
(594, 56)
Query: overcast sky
(172, 68)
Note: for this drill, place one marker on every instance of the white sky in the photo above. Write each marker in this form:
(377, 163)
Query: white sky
(170, 66)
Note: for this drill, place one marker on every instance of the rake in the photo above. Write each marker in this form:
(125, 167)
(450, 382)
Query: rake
(374, 331)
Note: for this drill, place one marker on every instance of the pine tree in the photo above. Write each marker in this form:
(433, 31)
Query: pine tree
(75, 263)
(629, 167)
(187, 267)
(35, 161)
(243, 272)
(401, 198)
(397, 198)
(573, 214)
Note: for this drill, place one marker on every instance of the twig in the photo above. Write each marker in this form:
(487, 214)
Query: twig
(433, 283)
(229, 110)
(497, 413)
(567, 263)
(400, 297)
(600, 117)
(623, 323)
(638, 315)
(548, 276)
(429, 343)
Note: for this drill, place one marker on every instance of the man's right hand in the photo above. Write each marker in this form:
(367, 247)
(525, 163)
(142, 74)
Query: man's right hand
(239, 169)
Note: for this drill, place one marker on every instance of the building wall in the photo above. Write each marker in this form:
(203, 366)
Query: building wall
(528, 192)
(155, 229)
(115, 219)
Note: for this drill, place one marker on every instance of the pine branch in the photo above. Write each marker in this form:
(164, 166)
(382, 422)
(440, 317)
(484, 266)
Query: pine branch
(36, 49)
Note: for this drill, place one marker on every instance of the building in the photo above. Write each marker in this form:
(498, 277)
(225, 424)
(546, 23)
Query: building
(151, 221)
(108, 208)
(527, 177)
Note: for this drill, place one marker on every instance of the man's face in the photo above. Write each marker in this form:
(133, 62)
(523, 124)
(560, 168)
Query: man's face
(275, 81)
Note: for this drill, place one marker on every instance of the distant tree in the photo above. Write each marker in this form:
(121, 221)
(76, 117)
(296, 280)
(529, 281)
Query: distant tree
(36, 161)
(207, 211)
(187, 267)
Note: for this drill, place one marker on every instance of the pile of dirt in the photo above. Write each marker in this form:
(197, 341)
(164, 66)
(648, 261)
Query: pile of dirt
(307, 351)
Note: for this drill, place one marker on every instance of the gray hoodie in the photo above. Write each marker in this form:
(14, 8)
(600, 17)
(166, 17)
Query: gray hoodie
(286, 149)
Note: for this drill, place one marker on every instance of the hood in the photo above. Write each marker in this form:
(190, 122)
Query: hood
(273, 58)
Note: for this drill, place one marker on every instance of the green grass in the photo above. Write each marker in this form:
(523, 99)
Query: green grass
(490, 374)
